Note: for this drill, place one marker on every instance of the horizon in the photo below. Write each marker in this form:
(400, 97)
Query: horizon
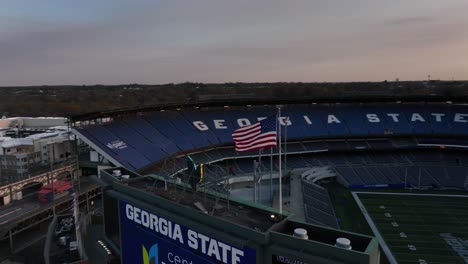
(220, 83)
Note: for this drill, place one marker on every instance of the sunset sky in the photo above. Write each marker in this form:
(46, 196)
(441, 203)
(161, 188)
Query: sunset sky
(119, 41)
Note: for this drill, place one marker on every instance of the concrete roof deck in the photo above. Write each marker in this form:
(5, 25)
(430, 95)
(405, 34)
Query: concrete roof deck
(214, 204)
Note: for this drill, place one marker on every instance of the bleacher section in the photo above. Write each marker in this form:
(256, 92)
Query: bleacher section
(355, 169)
(138, 141)
(418, 169)
(318, 208)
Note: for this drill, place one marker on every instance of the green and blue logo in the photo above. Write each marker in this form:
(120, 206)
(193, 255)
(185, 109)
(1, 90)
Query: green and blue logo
(151, 256)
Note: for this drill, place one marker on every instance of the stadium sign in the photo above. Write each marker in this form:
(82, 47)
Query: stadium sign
(117, 144)
(458, 245)
(336, 119)
(276, 259)
(149, 238)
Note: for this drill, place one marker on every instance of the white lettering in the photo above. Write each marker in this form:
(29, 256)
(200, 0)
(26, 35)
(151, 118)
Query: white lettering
(333, 119)
(460, 118)
(192, 239)
(200, 125)
(224, 248)
(219, 124)
(203, 239)
(373, 118)
(129, 211)
(154, 222)
(178, 234)
(213, 249)
(284, 121)
(136, 212)
(417, 117)
(394, 117)
(144, 218)
(236, 254)
(438, 116)
(163, 227)
(117, 144)
(243, 122)
(209, 246)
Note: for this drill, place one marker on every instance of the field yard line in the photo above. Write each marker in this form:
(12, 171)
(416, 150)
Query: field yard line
(385, 248)
(416, 194)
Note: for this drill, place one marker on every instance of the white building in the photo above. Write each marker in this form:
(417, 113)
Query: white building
(23, 157)
(32, 122)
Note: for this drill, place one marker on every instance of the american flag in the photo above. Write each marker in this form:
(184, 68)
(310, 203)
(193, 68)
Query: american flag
(256, 136)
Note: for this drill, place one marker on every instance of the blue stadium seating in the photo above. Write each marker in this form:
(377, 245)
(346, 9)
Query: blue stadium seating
(126, 154)
(167, 129)
(147, 131)
(153, 136)
(127, 134)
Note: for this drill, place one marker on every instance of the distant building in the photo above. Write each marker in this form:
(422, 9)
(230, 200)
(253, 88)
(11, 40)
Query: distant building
(32, 122)
(27, 150)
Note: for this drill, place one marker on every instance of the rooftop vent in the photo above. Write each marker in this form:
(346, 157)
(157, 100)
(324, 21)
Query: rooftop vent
(300, 233)
(342, 242)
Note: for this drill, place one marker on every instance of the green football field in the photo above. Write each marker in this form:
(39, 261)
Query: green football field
(418, 228)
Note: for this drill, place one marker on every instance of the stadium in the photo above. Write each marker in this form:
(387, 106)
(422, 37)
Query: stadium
(391, 169)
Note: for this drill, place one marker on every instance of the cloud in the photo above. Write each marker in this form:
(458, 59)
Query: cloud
(211, 40)
(410, 21)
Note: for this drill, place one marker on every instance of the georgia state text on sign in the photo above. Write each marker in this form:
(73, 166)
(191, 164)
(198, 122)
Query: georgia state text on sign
(175, 242)
(335, 119)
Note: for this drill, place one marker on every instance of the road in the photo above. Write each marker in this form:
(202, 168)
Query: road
(17, 209)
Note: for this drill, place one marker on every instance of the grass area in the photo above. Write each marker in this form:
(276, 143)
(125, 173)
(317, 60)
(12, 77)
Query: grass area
(421, 229)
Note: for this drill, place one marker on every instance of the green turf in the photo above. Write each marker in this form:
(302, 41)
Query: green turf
(423, 220)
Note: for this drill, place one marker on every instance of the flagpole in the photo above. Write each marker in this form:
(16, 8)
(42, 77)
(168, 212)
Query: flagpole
(285, 144)
(259, 186)
(271, 174)
(254, 180)
(280, 165)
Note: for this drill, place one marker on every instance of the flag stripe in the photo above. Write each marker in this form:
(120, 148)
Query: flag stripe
(247, 131)
(247, 136)
(260, 146)
(256, 136)
(259, 137)
(269, 141)
(242, 129)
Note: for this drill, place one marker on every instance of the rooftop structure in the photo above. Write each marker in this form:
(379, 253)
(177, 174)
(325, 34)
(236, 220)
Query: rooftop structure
(260, 233)
(32, 122)
(25, 151)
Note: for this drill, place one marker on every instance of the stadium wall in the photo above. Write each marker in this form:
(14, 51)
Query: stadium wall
(154, 227)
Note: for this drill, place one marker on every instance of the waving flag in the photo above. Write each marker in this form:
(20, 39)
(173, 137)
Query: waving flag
(257, 136)
(195, 172)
